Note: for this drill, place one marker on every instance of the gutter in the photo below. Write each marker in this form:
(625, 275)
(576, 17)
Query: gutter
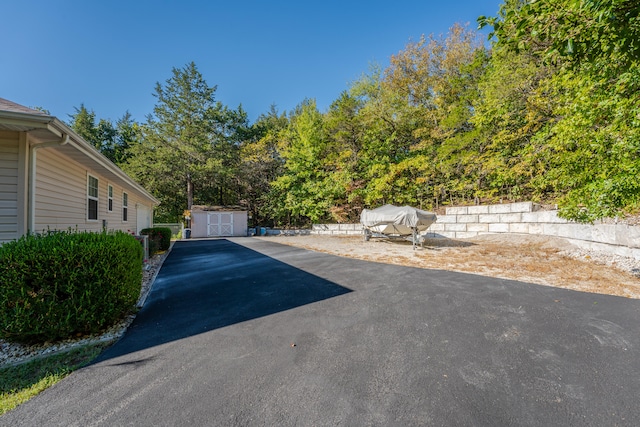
(67, 136)
(59, 128)
(94, 154)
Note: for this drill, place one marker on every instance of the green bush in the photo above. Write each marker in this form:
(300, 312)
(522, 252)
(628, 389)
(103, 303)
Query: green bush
(58, 284)
(160, 236)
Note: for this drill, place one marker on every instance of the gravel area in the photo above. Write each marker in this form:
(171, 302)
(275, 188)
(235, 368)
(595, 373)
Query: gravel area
(15, 353)
(626, 264)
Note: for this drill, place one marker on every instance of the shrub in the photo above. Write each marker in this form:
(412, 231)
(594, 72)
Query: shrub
(58, 284)
(159, 237)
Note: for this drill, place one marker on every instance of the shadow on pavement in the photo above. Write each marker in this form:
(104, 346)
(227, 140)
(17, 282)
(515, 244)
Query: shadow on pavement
(210, 284)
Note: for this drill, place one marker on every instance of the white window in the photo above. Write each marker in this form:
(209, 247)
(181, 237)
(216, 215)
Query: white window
(110, 198)
(125, 206)
(92, 198)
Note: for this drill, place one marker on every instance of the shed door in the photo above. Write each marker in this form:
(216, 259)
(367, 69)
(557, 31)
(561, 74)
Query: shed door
(220, 224)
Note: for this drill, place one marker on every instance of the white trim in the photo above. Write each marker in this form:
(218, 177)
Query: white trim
(23, 184)
(125, 206)
(109, 198)
(90, 197)
(222, 226)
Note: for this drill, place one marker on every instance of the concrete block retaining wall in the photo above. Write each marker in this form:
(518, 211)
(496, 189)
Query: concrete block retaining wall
(337, 229)
(279, 232)
(521, 218)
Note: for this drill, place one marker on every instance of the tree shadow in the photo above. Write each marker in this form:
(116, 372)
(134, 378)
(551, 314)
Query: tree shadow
(209, 284)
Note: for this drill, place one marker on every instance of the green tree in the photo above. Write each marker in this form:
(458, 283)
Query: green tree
(261, 164)
(576, 131)
(387, 122)
(604, 34)
(511, 110)
(106, 136)
(83, 122)
(346, 131)
(112, 141)
(421, 112)
(593, 148)
(127, 133)
(304, 192)
(189, 146)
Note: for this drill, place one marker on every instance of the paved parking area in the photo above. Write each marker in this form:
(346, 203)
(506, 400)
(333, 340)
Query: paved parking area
(247, 332)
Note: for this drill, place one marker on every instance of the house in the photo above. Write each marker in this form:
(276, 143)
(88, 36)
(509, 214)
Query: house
(218, 221)
(50, 178)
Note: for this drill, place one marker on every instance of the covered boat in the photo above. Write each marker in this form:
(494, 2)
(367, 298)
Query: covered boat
(396, 221)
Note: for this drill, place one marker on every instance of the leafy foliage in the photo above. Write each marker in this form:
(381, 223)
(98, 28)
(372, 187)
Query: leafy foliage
(261, 164)
(189, 149)
(579, 134)
(378, 141)
(550, 113)
(305, 190)
(58, 284)
(159, 238)
(600, 33)
(112, 141)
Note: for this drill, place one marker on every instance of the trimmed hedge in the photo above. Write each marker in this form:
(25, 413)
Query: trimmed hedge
(58, 284)
(159, 238)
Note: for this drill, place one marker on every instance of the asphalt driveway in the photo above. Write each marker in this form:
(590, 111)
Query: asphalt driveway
(243, 332)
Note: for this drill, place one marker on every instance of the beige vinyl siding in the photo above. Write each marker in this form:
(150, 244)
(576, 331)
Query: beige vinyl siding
(61, 192)
(9, 148)
(61, 196)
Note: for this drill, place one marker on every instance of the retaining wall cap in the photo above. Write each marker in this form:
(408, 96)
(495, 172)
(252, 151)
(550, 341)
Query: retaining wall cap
(482, 209)
(500, 208)
(521, 207)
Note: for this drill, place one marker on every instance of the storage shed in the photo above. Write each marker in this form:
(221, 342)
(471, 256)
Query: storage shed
(218, 221)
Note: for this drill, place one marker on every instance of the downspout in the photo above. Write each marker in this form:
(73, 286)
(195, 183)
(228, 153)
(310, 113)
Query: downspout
(31, 218)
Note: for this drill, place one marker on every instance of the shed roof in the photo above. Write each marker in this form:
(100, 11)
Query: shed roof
(205, 208)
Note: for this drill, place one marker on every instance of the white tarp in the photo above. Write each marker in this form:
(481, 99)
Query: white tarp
(400, 220)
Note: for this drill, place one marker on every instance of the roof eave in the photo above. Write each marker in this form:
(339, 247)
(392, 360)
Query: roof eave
(94, 154)
(28, 122)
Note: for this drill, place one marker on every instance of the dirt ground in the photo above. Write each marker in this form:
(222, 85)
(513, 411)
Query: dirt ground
(533, 259)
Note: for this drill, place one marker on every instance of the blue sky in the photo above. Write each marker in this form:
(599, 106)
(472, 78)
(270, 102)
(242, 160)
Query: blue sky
(110, 54)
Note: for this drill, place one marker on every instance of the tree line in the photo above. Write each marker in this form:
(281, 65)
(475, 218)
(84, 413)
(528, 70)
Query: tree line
(549, 111)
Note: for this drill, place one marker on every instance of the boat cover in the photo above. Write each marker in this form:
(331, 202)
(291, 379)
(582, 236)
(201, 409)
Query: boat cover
(401, 220)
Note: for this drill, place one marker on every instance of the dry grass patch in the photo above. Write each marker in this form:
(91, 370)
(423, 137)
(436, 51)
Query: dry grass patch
(533, 259)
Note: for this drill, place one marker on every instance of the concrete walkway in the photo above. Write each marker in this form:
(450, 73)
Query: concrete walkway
(246, 332)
